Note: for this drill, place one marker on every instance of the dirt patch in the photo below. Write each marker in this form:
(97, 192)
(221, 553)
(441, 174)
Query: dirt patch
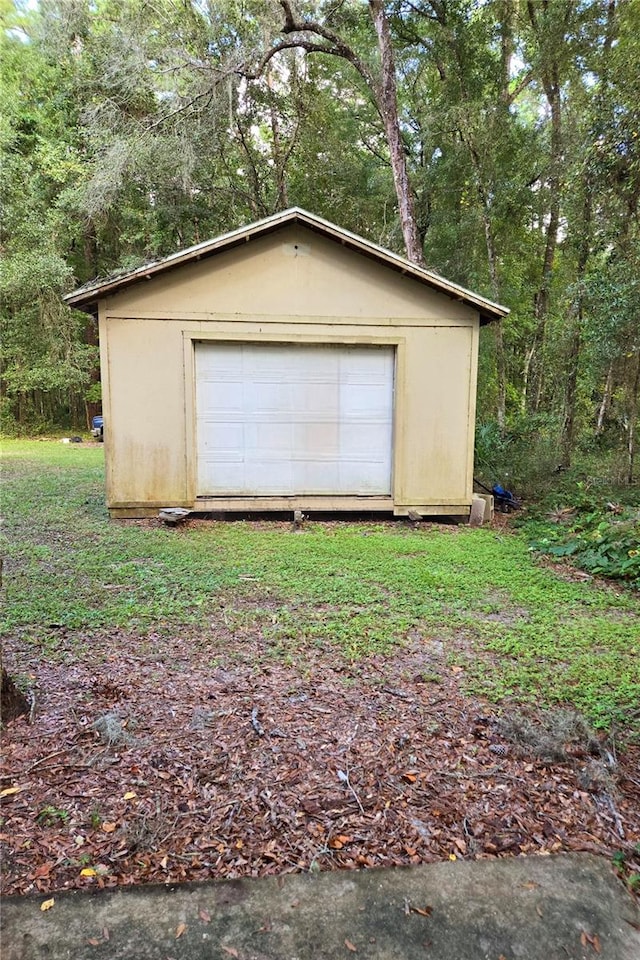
(228, 763)
(565, 571)
(507, 617)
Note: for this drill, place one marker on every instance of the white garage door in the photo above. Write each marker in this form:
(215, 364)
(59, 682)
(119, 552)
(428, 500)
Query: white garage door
(283, 419)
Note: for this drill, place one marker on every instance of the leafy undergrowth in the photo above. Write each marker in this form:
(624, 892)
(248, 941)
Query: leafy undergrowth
(238, 698)
(601, 543)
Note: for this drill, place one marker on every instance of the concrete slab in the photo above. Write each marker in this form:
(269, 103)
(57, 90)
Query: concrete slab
(536, 908)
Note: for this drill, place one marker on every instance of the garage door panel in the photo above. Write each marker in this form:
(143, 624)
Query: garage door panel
(363, 441)
(273, 476)
(365, 402)
(360, 476)
(230, 473)
(229, 437)
(315, 440)
(284, 419)
(319, 396)
(268, 395)
(306, 472)
(271, 440)
(221, 396)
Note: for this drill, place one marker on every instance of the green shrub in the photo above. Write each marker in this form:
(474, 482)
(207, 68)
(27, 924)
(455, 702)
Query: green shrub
(608, 545)
(523, 458)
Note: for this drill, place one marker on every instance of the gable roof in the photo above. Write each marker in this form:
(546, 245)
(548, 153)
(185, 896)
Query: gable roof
(86, 297)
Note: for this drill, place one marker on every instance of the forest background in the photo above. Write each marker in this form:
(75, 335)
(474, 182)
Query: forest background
(497, 141)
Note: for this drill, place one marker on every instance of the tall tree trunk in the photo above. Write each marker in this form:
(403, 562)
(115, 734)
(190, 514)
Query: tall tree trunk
(388, 106)
(507, 49)
(90, 249)
(279, 162)
(484, 188)
(258, 205)
(533, 370)
(501, 374)
(382, 89)
(542, 298)
(633, 418)
(575, 319)
(492, 260)
(606, 400)
(573, 361)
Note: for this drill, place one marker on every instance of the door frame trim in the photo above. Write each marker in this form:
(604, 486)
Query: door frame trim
(291, 337)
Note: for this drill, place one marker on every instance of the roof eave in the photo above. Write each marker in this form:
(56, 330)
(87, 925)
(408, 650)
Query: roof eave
(86, 297)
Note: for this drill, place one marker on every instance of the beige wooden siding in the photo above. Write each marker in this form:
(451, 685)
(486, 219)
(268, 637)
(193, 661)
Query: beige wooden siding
(267, 292)
(269, 279)
(144, 408)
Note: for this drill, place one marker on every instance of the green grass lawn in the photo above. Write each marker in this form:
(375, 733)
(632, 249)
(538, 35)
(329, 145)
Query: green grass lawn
(520, 630)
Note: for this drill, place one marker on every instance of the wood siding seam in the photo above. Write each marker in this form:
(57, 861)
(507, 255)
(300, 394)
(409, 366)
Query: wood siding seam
(167, 316)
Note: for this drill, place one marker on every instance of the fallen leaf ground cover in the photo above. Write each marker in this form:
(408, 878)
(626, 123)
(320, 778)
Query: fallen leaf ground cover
(236, 698)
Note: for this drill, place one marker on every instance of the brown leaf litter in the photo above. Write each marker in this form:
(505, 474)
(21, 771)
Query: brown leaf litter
(147, 762)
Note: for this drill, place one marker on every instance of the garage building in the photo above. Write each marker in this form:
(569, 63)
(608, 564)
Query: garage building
(287, 365)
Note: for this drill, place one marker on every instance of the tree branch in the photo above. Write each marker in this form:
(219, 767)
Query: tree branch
(338, 46)
(307, 45)
(181, 109)
(519, 87)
